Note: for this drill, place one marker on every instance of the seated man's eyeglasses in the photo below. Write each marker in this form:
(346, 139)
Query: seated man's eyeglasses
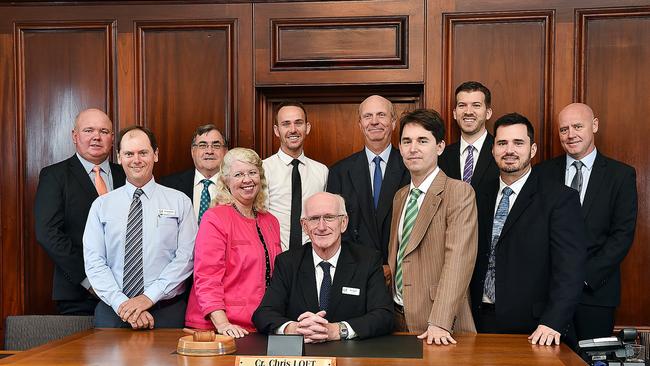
(204, 145)
(315, 220)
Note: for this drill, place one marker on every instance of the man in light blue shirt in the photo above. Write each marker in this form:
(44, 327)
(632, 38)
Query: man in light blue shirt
(139, 243)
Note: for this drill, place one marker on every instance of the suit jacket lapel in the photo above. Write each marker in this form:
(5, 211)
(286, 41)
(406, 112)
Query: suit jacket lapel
(454, 161)
(524, 199)
(395, 169)
(427, 211)
(79, 173)
(188, 184)
(360, 178)
(307, 279)
(484, 160)
(345, 268)
(398, 204)
(595, 182)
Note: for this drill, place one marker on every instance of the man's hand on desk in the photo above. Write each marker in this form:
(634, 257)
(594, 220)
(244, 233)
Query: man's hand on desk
(130, 310)
(437, 335)
(144, 321)
(544, 335)
(314, 327)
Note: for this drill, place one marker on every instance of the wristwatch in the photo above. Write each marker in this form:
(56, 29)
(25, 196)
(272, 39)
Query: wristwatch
(343, 331)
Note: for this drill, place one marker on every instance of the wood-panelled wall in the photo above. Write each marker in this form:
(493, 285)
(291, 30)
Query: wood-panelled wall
(172, 66)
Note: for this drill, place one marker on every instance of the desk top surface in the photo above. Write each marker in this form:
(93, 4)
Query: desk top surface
(142, 348)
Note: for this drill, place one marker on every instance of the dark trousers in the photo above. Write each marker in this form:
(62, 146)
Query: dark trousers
(486, 320)
(594, 321)
(399, 319)
(77, 307)
(166, 314)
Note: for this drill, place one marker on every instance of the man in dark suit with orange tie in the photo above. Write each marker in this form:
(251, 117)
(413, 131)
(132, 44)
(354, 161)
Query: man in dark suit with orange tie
(470, 159)
(63, 198)
(608, 195)
(369, 178)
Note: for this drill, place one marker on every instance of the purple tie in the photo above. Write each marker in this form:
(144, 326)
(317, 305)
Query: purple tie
(469, 165)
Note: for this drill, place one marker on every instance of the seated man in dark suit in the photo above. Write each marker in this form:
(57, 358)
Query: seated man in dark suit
(199, 184)
(326, 290)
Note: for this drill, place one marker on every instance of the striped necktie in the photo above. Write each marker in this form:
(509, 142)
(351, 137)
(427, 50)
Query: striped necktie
(133, 280)
(409, 221)
(468, 171)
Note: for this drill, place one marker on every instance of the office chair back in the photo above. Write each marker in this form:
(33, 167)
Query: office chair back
(27, 331)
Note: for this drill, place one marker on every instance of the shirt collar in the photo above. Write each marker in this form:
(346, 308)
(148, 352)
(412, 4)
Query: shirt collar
(516, 186)
(478, 144)
(148, 188)
(588, 160)
(426, 183)
(88, 166)
(287, 159)
(331, 261)
(384, 154)
(198, 177)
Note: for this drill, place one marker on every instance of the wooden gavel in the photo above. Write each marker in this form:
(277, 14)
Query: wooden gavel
(201, 335)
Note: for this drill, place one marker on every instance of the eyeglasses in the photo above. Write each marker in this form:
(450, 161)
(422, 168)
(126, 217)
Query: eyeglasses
(315, 220)
(252, 174)
(204, 145)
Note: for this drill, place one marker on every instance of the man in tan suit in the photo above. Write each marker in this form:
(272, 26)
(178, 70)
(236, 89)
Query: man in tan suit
(433, 241)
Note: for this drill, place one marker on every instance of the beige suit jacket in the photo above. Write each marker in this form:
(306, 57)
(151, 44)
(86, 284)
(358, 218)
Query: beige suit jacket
(440, 256)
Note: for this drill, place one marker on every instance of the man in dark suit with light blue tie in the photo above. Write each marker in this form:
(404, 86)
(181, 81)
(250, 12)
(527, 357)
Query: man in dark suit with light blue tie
(368, 179)
(532, 244)
(609, 207)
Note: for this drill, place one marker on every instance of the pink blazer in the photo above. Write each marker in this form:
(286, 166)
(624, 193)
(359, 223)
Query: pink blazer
(229, 266)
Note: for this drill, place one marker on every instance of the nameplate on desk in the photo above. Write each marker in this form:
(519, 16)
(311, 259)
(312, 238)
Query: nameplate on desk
(284, 361)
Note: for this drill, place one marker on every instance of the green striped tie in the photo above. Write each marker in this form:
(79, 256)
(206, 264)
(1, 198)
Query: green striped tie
(407, 227)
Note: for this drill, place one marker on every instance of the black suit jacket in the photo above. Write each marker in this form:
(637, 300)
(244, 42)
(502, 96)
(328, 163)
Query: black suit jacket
(182, 181)
(609, 210)
(350, 178)
(63, 199)
(540, 256)
(485, 171)
(293, 291)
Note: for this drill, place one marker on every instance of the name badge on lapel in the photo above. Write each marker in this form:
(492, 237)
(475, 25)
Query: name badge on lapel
(351, 291)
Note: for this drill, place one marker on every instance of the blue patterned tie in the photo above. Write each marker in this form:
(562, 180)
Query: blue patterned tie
(468, 171)
(325, 286)
(133, 280)
(205, 198)
(376, 189)
(497, 226)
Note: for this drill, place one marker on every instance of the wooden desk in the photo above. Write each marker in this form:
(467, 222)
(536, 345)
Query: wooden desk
(116, 347)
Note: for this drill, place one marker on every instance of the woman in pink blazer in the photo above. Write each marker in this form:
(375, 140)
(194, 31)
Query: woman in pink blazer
(235, 249)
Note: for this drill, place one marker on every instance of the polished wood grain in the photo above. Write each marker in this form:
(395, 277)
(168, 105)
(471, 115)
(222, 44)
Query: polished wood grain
(126, 347)
(612, 78)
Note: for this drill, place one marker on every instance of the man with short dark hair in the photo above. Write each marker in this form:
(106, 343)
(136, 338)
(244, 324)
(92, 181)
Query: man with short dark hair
(532, 245)
(328, 289)
(291, 175)
(63, 197)
(139, 242)
(470, 159)
(608, 199)
(433, 238)
(368, 179)
(199, 184)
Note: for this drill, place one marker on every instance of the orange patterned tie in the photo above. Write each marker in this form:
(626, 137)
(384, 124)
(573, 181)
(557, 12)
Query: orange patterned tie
(100, 185)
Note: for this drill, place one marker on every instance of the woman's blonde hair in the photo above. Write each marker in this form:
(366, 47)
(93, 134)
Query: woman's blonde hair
(223, 196)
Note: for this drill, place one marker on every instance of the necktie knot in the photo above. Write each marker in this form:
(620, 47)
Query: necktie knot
(377, 160)
(97, 169)
(578, 164)
(206, 183)
(415, 193)
(470, 149)
(325, 266)
(507, 191)
(138, 192)
(295, 162)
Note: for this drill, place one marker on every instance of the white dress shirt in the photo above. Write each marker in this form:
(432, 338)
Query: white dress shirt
(278, 170)
(198, 189)
(571, 171)
(424, 187)
(477, 145)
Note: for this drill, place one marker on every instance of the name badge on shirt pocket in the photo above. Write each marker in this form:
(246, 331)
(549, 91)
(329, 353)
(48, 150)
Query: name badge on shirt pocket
(166, 212)
(351, 291)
